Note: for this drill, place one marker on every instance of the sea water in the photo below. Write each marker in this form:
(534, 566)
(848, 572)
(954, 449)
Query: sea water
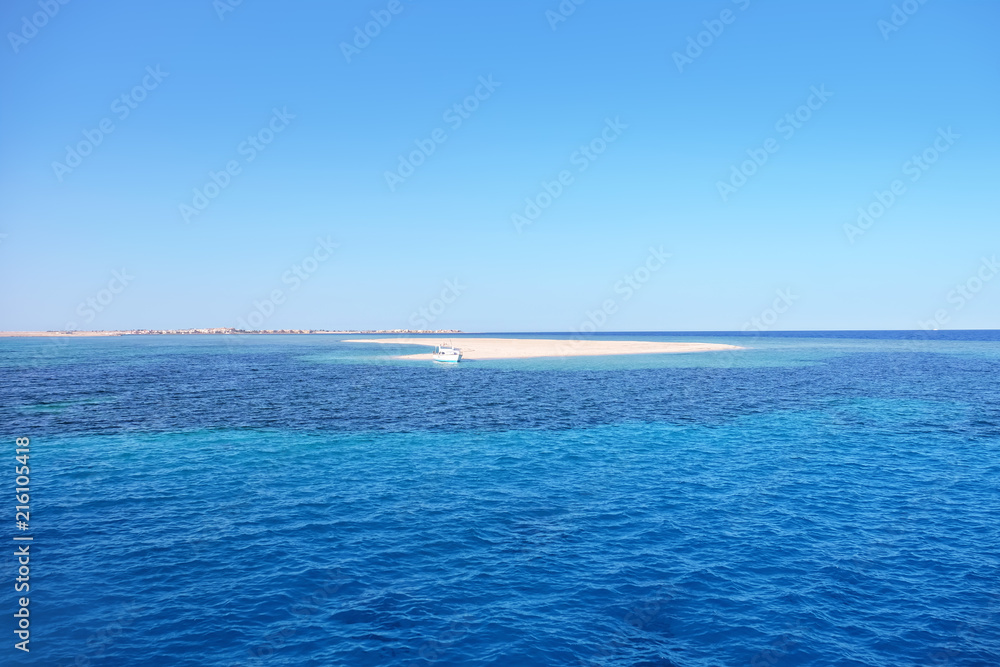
(814, 499)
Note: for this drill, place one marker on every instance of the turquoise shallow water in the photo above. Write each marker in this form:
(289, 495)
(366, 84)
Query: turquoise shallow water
(813, 500)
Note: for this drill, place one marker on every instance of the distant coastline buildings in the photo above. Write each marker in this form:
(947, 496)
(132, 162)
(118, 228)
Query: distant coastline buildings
(231, 330)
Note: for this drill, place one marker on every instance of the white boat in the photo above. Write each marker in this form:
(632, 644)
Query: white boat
(447, 354)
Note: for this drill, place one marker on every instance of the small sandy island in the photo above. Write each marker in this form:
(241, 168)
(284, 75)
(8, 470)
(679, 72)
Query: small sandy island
(527, 348)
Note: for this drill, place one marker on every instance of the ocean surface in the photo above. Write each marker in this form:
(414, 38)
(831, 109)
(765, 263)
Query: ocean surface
(214, 501)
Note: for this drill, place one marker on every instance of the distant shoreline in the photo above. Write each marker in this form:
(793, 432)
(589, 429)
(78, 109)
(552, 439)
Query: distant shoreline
(215, 332)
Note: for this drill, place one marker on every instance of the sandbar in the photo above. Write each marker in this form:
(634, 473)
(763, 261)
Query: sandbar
(528, 348)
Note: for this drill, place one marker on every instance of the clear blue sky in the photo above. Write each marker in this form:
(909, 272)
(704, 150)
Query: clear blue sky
(556, 84)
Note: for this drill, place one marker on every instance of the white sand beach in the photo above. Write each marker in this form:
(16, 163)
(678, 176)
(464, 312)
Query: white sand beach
(527, 348)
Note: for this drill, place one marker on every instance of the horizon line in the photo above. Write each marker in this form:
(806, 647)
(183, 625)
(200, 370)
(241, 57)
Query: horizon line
(210, 331)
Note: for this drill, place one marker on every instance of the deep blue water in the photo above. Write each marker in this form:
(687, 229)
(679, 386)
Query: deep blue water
(816, 499)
